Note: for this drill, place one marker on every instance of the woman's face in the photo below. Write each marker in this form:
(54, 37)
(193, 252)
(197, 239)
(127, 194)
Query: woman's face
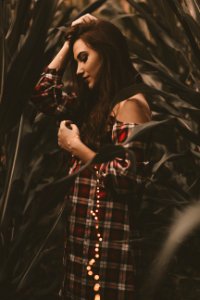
(88, 62)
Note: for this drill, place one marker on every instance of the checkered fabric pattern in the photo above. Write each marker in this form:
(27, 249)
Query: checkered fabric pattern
(49, 97)
(117, 177)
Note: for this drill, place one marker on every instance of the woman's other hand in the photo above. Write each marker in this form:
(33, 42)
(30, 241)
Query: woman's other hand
(69, 139)
(68, 136)
(87, 18)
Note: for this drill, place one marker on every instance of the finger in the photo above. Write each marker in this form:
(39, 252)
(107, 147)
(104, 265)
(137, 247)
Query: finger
(59, 144)
(88, 19)
(78, 21)
(84, 19)
(62, 124)
(59, 141)
(68, 124)
(65, 123)
(75, 128)
(91, 16)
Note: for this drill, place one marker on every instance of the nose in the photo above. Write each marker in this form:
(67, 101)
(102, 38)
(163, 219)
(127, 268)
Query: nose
(79, 70)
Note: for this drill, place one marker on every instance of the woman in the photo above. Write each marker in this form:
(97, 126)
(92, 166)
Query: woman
(99, 256)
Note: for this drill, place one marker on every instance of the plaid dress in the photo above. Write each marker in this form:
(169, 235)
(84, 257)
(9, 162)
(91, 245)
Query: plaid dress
(98, 253)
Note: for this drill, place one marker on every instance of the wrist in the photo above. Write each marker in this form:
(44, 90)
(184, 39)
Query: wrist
(76, 145)
(82, 151)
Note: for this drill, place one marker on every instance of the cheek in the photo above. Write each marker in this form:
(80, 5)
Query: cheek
(94, 64)
(96, 69)
(91, 67)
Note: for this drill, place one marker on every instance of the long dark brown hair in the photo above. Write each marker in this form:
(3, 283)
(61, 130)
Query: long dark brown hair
(116, 73)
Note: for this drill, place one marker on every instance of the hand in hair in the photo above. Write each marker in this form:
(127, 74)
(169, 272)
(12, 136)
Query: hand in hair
(84, 19)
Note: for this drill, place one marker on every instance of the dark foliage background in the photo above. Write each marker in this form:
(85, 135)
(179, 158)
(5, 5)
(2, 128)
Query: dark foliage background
(164, 41)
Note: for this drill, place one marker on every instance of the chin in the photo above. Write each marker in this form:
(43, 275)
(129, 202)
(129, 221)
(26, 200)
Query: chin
(90, 86)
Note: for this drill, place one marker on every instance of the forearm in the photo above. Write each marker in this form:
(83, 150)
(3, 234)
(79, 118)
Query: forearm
(80, 150)
(60, 59)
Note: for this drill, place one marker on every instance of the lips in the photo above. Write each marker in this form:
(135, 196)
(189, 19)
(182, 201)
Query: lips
(86, 78)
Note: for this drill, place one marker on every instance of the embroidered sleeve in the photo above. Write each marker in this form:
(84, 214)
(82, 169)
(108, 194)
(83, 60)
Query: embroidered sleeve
(49, 97)
(124, 171)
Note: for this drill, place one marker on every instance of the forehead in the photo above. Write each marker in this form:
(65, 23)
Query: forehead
(80, 46)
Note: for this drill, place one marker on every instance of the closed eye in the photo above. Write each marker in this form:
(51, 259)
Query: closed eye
(82, 56)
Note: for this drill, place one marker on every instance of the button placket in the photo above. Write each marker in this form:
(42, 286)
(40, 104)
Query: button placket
(94, 261)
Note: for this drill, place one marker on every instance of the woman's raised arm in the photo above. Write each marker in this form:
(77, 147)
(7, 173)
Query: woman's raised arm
(60, 59)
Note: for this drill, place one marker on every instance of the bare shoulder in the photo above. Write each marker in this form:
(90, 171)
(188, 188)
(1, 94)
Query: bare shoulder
(134, 110)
